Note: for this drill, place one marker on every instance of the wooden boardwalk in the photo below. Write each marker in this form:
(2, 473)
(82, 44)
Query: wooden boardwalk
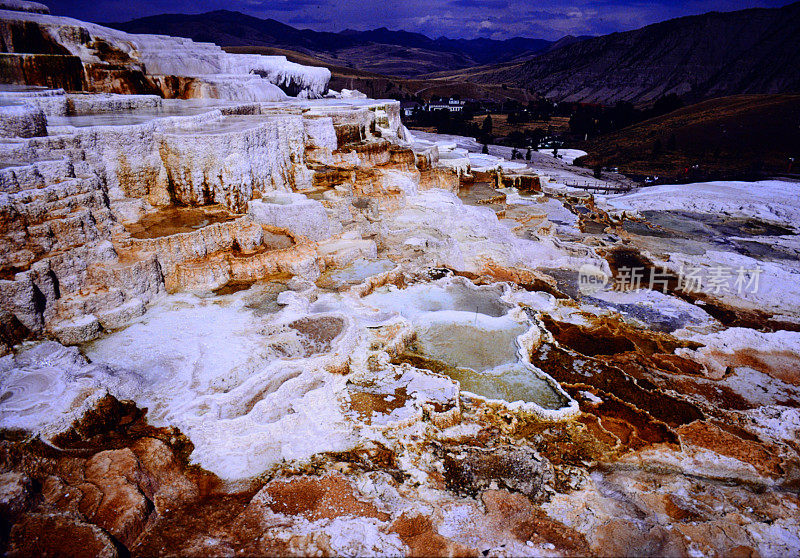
(598, 187)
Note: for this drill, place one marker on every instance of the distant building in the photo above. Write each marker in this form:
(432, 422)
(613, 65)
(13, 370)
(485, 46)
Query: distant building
(453, 105)
(409, 107)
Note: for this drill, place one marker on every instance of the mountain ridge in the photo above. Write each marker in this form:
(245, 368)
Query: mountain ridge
(230, 28)
(696, 57)
(756, 50)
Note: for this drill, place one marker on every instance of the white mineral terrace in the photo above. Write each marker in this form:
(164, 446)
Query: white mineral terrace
(242, 77)
(222, 367)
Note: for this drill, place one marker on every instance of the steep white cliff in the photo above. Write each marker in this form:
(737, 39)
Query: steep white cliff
(212, 72)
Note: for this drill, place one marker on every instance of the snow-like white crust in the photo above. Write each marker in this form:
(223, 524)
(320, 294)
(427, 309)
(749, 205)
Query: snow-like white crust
(24, 6)
(226, 76)
(776, 280)
(768, 200)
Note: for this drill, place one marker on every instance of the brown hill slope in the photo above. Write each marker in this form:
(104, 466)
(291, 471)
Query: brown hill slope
(725, 137)
(397, 53)
(698, 57)
(377, 85)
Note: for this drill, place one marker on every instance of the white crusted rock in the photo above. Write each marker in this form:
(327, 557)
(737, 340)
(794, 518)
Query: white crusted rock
(121, 315)
(294, 212)
(79, 330)
(22, 121)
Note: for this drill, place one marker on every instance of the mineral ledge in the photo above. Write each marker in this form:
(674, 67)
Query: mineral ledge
(241, 314)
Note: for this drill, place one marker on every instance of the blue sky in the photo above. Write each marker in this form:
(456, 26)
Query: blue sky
(498, 19)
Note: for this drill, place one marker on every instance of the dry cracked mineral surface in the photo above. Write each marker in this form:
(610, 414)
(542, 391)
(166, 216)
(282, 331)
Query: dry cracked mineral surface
(245, 315)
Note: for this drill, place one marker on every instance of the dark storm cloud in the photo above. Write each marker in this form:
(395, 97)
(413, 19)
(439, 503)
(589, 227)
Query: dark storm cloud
(499, 19)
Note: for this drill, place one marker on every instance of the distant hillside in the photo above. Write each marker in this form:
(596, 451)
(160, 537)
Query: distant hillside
(725, 137)
(381, 86)
(397, 53)
(698, 57)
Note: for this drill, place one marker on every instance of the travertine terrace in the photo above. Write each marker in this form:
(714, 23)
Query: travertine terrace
(241, 314)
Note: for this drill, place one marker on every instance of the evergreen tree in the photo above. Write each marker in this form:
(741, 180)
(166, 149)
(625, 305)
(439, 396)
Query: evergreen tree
(666, 104)
(657, 148)
(486, 127)
(485, 149)
(672, 142)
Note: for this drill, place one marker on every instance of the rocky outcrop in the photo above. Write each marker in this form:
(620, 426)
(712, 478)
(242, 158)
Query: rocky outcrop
(24, 6)
(46, 533)
(95, 58)
(22, 121)
(88, 209)
(474, 470)
(57, 243)
(296, 213)
(228, 168)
